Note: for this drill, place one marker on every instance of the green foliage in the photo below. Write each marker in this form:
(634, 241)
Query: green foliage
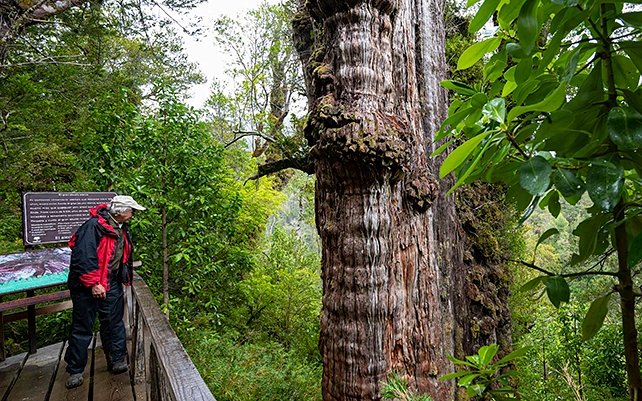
(396, 388)
(262, 104)
(241, 371)
(556, 116)
(282, 296)
(483, 376)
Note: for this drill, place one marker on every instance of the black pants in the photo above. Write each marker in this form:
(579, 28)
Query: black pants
(112, 329)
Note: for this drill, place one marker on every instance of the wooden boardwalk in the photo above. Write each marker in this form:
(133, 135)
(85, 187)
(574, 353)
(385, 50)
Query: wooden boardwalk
(41, 377)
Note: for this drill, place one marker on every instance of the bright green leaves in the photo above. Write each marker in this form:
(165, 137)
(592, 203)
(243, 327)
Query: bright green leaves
(604, 184)
(625, 128)
(553, 101)
(481, 377)
(475, 52)
(534, 175)
(495, 110)
(459, 155)
(483, 15)
(557, 290)
(594, 318)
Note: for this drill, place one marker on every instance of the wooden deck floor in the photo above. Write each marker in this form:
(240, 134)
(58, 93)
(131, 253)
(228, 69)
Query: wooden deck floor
(41, 377)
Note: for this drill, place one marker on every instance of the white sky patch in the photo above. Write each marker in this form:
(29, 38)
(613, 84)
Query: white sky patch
(202, 50)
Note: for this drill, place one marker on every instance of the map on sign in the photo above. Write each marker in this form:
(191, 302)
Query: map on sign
(51, 217)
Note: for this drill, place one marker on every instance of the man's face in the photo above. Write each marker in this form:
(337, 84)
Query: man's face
(125, 216)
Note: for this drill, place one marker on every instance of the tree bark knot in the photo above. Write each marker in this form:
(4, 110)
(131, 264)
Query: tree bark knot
(421, 192)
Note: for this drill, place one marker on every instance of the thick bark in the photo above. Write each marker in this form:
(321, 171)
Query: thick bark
(393, 271)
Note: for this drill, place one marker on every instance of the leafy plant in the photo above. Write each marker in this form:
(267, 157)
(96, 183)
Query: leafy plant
(396, 388)
(481, 377)
(557, 115)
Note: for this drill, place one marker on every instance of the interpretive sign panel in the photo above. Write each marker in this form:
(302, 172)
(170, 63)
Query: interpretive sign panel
(51, 217)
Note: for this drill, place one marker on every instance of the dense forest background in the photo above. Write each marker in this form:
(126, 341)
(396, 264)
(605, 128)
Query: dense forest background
(95, 99)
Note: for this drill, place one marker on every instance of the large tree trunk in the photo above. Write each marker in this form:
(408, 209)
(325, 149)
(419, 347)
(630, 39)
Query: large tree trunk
(385, 297)
(393, 271)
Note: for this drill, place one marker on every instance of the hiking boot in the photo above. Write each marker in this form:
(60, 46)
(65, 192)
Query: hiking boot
(74, 380)
(119, 367)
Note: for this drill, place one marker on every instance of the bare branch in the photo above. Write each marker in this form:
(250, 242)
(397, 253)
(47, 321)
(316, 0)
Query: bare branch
(549, 273)
(243, 134)
(305, 164)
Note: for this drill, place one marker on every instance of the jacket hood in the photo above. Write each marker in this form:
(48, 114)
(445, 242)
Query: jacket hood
(100, 212)
(93, 212)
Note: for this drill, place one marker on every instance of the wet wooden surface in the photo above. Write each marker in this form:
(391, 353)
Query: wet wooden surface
(42, 376)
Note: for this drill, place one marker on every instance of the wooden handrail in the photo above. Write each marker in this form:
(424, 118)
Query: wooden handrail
(159, 360)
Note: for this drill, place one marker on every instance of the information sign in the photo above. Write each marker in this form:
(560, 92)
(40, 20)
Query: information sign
(53, 217)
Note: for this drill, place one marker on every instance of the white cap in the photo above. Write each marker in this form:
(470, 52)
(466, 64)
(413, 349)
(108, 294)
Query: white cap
(125, 201)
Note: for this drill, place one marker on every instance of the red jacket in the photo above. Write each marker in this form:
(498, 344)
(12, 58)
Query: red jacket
(92, 246)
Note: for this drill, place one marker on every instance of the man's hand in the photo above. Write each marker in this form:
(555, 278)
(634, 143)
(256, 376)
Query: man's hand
(98, 291)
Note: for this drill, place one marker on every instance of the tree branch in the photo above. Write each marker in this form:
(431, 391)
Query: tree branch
(549, 273)
(305, 164)
(244, 134)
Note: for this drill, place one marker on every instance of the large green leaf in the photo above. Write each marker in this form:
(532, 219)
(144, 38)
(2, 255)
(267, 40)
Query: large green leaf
(625, 128)
(604, 184)
(518, 353)
(634, 19)
(508, 12)
(458, 87)
(557, 290)
(483, 14)
(487, 353)
(569, 185)
(590, 92)
(633, 99)
(534, 283)
(634, 51)
(592, 236)
(527, 26)
(635, 251)
(547, 234)
(459, 155)
(550, 103)
(495, 110)
(625, 73)
(534, 175)
(475, 52)
(594, 318)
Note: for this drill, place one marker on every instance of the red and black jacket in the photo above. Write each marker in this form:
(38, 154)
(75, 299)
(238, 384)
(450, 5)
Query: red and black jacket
(92, 246)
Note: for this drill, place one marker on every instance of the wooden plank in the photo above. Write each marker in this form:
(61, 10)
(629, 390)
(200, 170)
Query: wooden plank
(22, 302)
(137, 356)
(184, 383)
(9, 370)
(46, 310)
(36, 375)
(60, 393)
(107, 386)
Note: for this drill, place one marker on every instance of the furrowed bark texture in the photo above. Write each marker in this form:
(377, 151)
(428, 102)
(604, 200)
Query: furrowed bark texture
(393, 271)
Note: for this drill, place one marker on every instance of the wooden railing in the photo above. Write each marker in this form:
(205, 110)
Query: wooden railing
(160, 367)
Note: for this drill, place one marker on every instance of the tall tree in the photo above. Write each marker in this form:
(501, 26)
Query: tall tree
(392, 254)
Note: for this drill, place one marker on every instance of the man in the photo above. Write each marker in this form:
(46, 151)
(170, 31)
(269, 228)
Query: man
(101, 252)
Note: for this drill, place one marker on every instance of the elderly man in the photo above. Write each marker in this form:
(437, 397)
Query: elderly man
(101, 252)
